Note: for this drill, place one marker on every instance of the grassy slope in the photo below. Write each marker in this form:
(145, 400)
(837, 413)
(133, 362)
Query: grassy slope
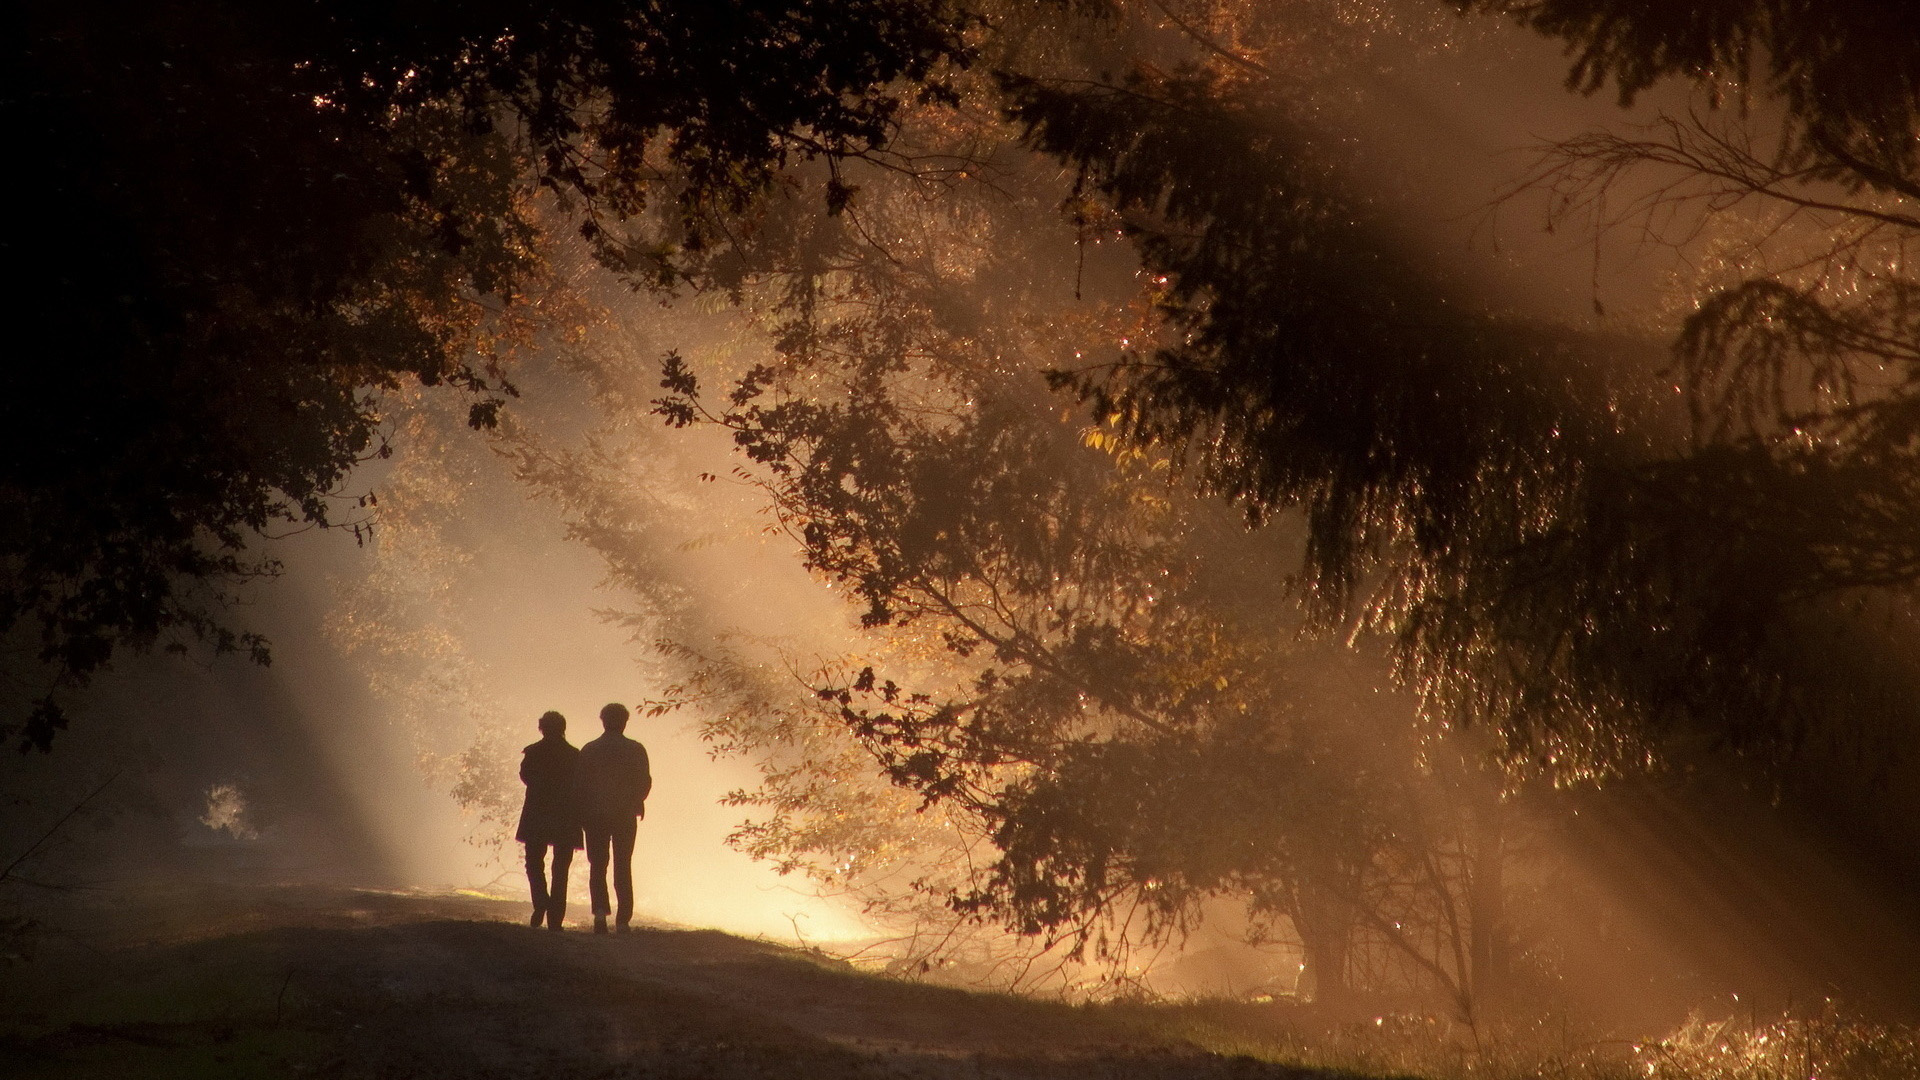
(249, 982)
(287, 982)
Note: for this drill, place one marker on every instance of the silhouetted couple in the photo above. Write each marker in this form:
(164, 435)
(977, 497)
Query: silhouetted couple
(590, 797)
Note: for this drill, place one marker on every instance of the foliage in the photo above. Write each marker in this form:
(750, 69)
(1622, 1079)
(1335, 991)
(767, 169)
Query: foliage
(1844, 71)
(1515, 504)
(1512, 502)
(267, 218)
(1797, 344)
(1797, 357)
(1437, 452)
(1120, 712)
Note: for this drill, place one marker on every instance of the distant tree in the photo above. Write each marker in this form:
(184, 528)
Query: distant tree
(251, 221)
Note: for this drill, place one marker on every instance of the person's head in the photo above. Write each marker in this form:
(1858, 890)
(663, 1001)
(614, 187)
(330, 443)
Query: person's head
(552, 724)
(614, 716)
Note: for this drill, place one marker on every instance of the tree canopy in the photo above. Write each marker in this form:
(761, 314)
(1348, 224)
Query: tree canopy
(1845, 72)
(251, 222)
(275, 217)
(1557, 551)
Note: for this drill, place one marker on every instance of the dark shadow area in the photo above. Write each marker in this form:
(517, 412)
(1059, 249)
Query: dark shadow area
(207, 773)
(279, 982)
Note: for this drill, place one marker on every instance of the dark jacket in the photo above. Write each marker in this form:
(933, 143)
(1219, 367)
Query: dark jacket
(614, 779)
(551, 814)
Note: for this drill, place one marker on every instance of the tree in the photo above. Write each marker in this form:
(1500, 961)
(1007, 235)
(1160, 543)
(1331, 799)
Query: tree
(1845, 72)
(1558, 552)
(1799, 358)
(263, 220)
(1119, 712)
(1514, 504)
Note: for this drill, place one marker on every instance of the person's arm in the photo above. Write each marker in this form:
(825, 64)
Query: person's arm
(645, 787)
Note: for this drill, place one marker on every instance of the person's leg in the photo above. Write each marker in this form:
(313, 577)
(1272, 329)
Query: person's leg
(623, 838)
(557, 895)
(537, 879)
(597, 853)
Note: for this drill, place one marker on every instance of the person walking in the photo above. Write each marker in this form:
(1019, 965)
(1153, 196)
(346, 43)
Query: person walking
(550, 816)
(614, 783)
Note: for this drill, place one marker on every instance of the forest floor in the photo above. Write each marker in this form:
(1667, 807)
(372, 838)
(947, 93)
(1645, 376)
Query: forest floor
(276, 982)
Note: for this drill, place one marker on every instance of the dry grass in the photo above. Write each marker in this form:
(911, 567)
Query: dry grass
(1826, 1045)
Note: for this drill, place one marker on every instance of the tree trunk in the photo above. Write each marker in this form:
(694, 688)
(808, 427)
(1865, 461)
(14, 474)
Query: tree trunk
(1326, 933)
(1487, 904)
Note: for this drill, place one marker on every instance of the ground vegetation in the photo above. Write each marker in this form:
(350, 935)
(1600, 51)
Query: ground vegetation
(378, 985)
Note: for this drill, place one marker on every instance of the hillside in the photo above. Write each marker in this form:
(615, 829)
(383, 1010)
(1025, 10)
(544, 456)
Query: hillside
(242, 982)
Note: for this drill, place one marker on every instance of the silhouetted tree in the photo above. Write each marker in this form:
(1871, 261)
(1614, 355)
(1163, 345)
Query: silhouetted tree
(1121, 710)
(250, 221)
(1847, 72)
(1801, 358)
(1513, 503)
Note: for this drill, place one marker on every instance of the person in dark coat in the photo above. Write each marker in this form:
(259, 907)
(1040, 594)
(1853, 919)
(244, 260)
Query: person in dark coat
(614, 784)
(550, 818)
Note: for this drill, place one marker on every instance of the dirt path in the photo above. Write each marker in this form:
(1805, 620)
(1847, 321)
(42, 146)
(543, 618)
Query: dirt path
(283, 982)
